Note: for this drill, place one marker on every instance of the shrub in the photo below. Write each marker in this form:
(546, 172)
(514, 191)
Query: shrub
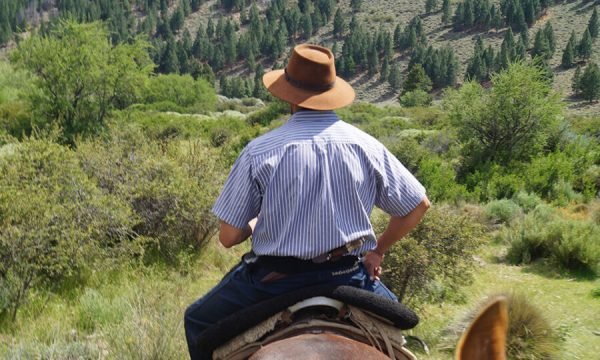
(494, 182)
(502, 211)
(511, 121)
(170, 186)
(543, 173)
(438, 252)
(438, 177)
(53, 219)
(527, 201)
(415, 98)
(219, 136)
(571, 244)
(180, 93)
(562, 194)
(269, 113)
(81, 77)
(407, 150)
(362, 113)
(16, 119)
(530, 335)
(386, 126)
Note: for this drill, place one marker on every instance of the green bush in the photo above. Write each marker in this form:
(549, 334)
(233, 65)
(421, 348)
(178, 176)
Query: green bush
(164, 126)
(571, 244)
(16, 119)
(562, 194)
(415, 98)
(12, 82)
(494, 182)
(219, 136)
(544, 172)
(80, 77)
(180, 93)
(53, 219)
(439, 178)
(170, 186)
(408, 151)
(527, 201)
(435, 260)
(269, 113)
(502, 211)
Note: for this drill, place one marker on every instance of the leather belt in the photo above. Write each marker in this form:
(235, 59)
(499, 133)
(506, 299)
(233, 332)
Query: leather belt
(338, 257)
(337, 253)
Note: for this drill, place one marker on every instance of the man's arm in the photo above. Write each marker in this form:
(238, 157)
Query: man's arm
(230, 235)
(397, 228)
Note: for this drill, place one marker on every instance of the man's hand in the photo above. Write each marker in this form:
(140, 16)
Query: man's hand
(372, 261)
(397, 228)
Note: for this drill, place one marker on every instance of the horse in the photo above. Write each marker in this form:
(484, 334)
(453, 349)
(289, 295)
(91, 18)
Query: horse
(342, 323)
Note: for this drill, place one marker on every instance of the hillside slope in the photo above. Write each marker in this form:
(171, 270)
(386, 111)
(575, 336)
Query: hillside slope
(375, 16)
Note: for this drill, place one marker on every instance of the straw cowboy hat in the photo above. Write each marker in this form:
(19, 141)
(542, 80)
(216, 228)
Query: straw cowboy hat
(310, 80)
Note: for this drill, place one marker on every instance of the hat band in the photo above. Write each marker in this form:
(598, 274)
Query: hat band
(305, 86)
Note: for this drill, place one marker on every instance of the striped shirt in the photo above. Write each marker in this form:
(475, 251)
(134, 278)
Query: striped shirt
(313, 183)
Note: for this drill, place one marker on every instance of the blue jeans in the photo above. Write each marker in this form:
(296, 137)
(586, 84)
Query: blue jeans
(243, 287)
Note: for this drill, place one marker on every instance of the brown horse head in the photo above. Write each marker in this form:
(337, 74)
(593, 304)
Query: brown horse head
(485, 339)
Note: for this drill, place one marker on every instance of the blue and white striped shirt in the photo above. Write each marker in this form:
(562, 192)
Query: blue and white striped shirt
(312, 183)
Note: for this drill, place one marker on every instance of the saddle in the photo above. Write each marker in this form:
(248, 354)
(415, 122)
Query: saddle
(346, 311)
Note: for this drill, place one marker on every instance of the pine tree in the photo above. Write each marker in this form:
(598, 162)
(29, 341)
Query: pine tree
(394, 79)
(169, 62)
(584, 50)
(385, 69)
(576, 82)
(338, 24)
(430, 5)
(458, 19)
(541, 48)
(497, 21)
(549, 34)
(307, 26)
(356, 5)
(210, 28)
(593, 24)
(397, 36)
(177, 19)
(259, 90)
(568, 57)
(416, 79)
(589, 84)
(445, 11)
(469, 15)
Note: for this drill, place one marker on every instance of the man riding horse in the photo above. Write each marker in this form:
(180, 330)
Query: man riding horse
(304, 192)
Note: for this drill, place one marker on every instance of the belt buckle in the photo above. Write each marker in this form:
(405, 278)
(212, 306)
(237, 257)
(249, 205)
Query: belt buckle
(249, 258)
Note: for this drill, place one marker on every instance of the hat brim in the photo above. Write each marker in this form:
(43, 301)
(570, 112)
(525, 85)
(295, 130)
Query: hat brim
(340, 95)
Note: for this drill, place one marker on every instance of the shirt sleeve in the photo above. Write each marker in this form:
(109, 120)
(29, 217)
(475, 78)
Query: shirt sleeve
(398, 191)
(240, 199)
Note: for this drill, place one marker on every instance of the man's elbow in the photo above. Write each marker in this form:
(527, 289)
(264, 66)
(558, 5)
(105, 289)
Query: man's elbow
(425, 203)
(227, 241)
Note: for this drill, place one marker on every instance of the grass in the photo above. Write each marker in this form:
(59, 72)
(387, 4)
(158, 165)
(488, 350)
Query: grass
(567, 303)
(135, 312)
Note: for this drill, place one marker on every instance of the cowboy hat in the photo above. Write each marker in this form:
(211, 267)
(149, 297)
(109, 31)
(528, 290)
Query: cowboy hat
(309, 80)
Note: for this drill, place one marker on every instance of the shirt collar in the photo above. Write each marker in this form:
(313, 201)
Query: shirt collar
(314, 115)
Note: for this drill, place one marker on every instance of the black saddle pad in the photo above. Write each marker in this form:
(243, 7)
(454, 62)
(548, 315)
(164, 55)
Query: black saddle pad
(400, 315)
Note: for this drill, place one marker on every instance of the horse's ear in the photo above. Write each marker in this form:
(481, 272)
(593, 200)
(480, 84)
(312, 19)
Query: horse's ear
(485, 339)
